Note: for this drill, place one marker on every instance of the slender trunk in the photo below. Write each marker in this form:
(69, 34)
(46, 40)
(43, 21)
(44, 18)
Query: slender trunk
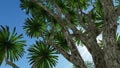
(79, 63)
(10, 63)
(77, 59)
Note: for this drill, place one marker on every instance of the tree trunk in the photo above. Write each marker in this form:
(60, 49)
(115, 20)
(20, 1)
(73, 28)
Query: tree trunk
(97, 54)
(99, 61)
(79, 66)
(109, 34)
(110, 49)
(10, 63)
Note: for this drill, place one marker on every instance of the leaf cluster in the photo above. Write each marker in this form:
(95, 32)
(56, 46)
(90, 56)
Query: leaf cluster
(11, 44)
(42, 55)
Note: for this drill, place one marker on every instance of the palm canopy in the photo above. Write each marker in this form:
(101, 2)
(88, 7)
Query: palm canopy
(40, 25)
(34, 27)
(11, 44)
(42, 55)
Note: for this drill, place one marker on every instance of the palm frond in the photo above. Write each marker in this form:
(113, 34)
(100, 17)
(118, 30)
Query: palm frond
(42, 56)
(34, 27)
(61, 41)
(11, 44)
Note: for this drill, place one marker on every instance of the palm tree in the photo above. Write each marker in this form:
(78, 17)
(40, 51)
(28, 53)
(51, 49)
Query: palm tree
(39, 25)
(42, 55)
(11, 46)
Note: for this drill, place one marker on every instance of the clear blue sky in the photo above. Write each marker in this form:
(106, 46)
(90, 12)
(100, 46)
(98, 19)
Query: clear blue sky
(13, 16)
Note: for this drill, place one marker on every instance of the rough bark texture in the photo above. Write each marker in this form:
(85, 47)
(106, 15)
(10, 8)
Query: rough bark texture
(97, 54)
(73, 58)
(109, 34)
(78, 63)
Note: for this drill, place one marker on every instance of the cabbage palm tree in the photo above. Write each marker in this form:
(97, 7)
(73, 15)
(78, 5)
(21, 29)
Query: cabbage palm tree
(40, 24)
(11, 46)
(42, 55)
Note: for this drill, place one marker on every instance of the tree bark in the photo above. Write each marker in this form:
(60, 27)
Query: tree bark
(10, 63)
(75, 58)
(94, 49)
(109, 34)
(80, 65)
(97, 54)
(110, 47)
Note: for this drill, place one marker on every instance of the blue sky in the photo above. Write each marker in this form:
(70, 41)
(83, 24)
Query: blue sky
(13, 16)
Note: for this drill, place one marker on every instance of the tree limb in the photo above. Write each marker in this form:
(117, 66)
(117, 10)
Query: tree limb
(10, 63)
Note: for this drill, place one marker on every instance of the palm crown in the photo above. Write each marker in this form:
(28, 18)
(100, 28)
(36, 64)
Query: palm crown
(42, 55)
(11, 44)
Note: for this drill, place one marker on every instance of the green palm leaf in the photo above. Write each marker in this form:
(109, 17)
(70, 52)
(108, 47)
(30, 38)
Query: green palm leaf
(61, 41)
(26, 4)
(11, 44)
(34, 27)
(42, 55)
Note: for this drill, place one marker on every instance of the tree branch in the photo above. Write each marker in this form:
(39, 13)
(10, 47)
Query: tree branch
(10, 63)
(61, 50)
(51, 42)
